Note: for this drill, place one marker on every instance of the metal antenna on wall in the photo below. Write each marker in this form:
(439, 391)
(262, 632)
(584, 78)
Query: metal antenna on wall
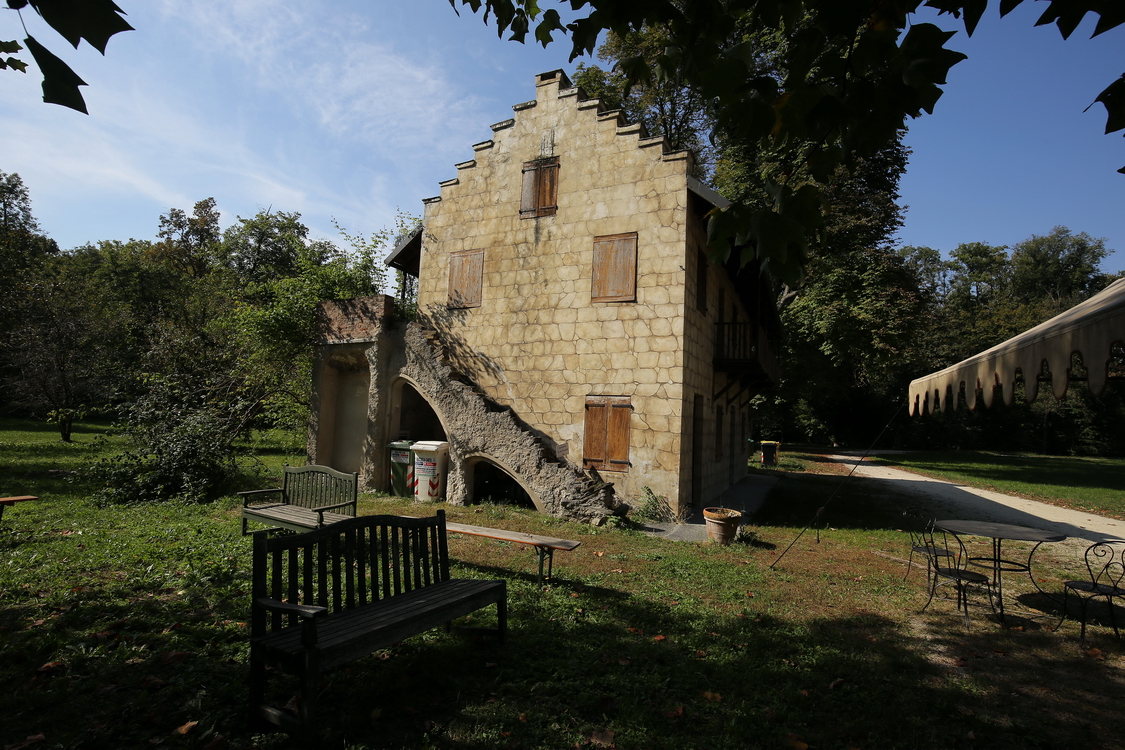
(821, 509)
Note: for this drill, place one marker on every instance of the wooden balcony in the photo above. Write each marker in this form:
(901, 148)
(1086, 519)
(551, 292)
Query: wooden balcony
(743, 351)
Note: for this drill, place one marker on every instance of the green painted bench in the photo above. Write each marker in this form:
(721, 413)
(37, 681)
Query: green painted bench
(329, 596)
(309, 498)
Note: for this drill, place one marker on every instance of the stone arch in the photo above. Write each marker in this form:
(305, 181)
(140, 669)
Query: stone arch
(469, 464)
(479, 427)
(400, 399)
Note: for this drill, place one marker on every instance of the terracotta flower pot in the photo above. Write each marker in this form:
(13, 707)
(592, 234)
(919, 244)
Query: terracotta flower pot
(722, 524)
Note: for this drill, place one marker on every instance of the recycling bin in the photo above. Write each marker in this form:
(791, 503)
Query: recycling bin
(431, 459)
(770, 449)
(402, 468)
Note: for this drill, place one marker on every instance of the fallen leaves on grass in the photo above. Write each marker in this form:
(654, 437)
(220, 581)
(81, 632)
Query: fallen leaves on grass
(712, 697)
(602, 737)
(186, 728)
(794, 740)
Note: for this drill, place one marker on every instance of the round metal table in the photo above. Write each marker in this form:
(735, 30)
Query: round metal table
(998, 532)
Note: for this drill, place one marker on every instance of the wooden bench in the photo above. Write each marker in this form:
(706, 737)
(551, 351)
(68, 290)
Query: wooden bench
(309, 497)
(544, 545)
(327, 597)
(6, 501)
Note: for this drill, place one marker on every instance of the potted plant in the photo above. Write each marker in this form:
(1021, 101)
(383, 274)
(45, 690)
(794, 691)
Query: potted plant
(722, 524)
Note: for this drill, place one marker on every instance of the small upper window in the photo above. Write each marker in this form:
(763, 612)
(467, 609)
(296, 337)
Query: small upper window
(540, 188)
(466, 278)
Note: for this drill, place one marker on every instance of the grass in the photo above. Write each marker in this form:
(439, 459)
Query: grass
(1095, 485)
(124, 627)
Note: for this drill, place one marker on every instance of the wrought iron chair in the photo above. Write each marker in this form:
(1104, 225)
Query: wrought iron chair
(919, 523)
(1105, 564)
(948, 567)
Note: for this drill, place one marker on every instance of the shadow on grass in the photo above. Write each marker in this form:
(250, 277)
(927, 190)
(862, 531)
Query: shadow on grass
(840, 501)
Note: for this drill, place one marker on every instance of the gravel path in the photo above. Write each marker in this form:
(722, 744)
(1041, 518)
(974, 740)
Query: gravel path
(950, 500)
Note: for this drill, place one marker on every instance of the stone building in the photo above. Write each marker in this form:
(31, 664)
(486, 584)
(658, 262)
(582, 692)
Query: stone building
(574, 342)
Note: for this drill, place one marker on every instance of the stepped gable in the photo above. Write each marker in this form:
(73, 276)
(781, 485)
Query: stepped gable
(595, 107)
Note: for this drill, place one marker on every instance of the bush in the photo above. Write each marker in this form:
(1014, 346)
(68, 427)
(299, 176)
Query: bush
(181, 452)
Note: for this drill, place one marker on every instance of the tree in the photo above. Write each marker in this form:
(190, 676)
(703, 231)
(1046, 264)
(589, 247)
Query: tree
(851, 78)
(663, 107)
(1060, 267)
(93, 20)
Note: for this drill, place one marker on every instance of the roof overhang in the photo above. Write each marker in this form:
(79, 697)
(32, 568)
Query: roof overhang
(706, 193)
(1089, 329)
(407, 254)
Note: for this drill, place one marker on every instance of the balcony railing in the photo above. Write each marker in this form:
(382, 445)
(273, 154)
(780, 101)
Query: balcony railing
(744, 349)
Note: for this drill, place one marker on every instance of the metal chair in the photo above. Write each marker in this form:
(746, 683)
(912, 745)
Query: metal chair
(918, 523)
(948, 567)
(1105, 564)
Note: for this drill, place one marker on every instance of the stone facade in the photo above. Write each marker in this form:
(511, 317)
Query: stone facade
(589, 318)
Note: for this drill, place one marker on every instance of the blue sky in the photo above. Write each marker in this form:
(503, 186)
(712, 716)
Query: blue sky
(353, 110)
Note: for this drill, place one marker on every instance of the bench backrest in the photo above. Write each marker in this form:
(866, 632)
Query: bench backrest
(347, 564)
(317, 486)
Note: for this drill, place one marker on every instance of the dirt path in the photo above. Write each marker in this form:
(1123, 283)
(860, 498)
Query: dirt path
(950, 500)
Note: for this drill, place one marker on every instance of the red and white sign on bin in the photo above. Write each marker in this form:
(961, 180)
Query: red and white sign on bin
(431, 457)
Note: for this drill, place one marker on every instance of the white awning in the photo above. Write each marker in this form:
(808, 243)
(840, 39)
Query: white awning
(1089, 329)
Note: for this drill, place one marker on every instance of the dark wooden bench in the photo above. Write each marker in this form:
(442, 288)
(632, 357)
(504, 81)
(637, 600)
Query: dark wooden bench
(326, 597)
(309, 497)
(544, 545)
(6, 501)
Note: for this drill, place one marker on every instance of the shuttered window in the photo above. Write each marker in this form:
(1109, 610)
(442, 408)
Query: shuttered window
(608, 419)
(466, 277)
(614, 275)
(540, 188)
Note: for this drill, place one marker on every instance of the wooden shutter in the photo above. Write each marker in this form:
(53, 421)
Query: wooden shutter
(466, 278)
(597, 420)
(529, 198)
(548, 186)
(539, 196)
(617, 439)
(608, 423)
(614, 273)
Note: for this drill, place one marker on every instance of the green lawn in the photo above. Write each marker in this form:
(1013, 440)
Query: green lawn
(1090, 484)
(124, 627)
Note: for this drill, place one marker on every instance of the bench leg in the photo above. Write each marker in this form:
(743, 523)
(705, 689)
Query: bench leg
(257, 692)
(545, 554)
(310, 695)
(502, 617)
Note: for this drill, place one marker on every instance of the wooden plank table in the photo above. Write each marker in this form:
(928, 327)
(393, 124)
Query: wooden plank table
(545, 546)
(6, 501)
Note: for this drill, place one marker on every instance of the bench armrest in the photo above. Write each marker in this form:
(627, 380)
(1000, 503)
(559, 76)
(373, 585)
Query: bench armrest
(322, 509)
(249, 496)
(308, 614)
(302, 610)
